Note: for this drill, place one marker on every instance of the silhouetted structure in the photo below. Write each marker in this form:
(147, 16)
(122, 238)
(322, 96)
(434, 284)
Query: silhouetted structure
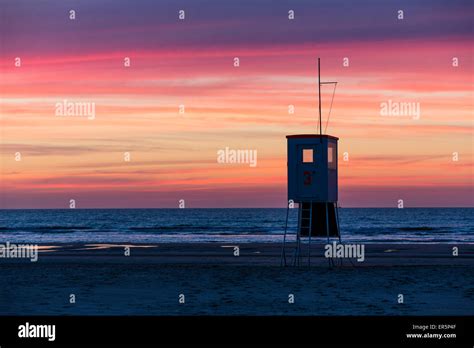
(312, 183)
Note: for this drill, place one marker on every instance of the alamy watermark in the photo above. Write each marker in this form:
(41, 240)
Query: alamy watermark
(392, 108)
(28, 330)
(237, 156)
(79, 109)
(20, 251)
(345, 251)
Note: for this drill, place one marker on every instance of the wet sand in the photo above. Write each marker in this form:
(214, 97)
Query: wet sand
(264, 254)
(214, 281)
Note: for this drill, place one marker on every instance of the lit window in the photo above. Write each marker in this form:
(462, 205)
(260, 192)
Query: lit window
(307, 155)
(332, 160)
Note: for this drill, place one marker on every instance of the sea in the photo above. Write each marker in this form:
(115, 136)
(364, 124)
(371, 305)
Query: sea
(367, 225)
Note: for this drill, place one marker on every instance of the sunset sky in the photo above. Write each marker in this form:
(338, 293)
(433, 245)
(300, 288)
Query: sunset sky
(190, 62)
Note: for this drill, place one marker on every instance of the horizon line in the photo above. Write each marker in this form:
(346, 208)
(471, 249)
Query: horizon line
(169, 208)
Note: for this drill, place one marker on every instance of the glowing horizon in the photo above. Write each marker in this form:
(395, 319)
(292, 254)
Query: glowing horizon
(191, 62)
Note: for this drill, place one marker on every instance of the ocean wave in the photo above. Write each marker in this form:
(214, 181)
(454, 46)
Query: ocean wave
(197, 229)
(46, 229)
(421, 228)
(395, 230)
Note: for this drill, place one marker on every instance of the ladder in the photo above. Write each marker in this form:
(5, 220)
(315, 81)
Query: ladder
(304, 229)
(305, 218)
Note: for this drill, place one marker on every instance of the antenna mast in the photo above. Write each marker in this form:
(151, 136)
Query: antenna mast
(319, 90)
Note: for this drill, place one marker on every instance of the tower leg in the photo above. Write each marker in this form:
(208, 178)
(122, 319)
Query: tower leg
(336, 208)
(327, 230)
(296, 260)
(310, 232)
(298, 250)
(283, 251)
(337, 222)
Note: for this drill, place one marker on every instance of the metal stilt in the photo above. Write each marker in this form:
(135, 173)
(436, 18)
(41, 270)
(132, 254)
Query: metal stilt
(337, 222)
(310, 232)
(298, 239)
(327, 231)
(283, 251)
(337, 226)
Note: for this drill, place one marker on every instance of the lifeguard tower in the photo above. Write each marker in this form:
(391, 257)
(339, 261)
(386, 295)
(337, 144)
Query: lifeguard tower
(312, 183)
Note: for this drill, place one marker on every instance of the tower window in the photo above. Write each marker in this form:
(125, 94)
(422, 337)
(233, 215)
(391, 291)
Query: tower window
(332, 158)
(308, 156)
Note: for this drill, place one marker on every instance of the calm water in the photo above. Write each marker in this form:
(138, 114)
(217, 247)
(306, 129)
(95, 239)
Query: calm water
(426, 225)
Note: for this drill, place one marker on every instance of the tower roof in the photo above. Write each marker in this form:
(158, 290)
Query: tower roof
(311, 136)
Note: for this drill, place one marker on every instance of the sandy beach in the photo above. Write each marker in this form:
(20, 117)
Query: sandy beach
(214, 281)
(263, 254)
